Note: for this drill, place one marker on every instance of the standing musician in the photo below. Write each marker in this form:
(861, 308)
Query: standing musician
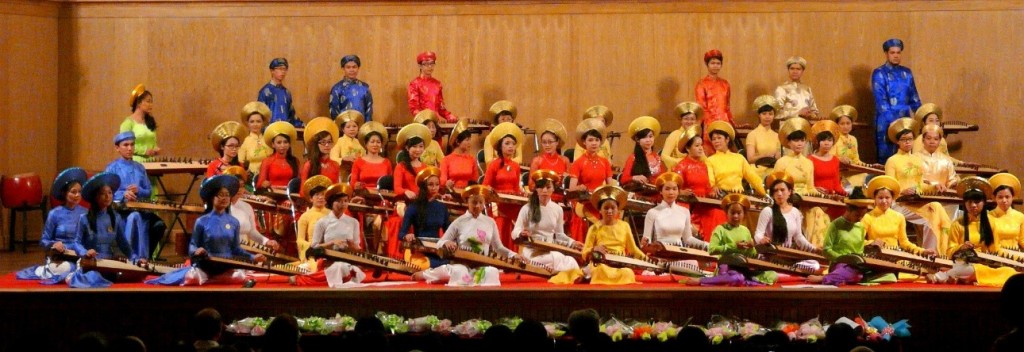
(973, 231)
(348, 147)
(226, 138)
(412, 138)
(336, 231)
(247, 225)
(476, 231)
(644, 165)
(733, 237)
(726, 168)
(425, 92)
(276, 96)
(606, 117)
(696, 181)
(366, 172)
(427, 217)
(588, 171)
(553, 138)
(60, 232)
(350, 93)
(895, 95)
(142, 123)
(713, 94)
(254, 149)
(793, 133)
(433, 153)
(102, 230)
(669, 222)
(503, 175)
(611, 235)
(885, 226)
(781, 224)
(459, 169)
(690, 114)
(542, 220)
(1007, 223)
(909, 169)
(796, 98)
(281, 167)
(320, 135)
(504, 111)
(762, 142)
(313, 190)
(844, 236)
(135, 186)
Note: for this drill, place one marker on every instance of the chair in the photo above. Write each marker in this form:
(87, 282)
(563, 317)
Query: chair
(569, 153)
(386, 183)
(481, 161)
(21, 194)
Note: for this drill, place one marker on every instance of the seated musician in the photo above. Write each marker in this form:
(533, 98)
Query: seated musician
(215, 235)
(459, 169)
(542, 220)
(254, 148)
(135, 186)
(348, 147)
(313, 190)
(504, 111)
(845, 146)
(669, 222)
(939, 169)
(60, 232)
(845, 235)
(226, 139)
(588, 171)
(690, 115)
(781, 224)
(827, 179)
(763, 142)
(733, 237)
(909, 170)
(793, 133)
(727, 169)
(280, 167)
(335, 231)
(432, 153)
(973, 231)
(553, 137)
(696, 182)
(319, 136)
(105, 233)
(885, 226)
(503, 175)
(644, 164)
(366, 172)
(425, 217)
(604, 119)
(931, 114)
(611, 235)
(412, 140)
(243, 212)
(1007, 222)
(474, 231)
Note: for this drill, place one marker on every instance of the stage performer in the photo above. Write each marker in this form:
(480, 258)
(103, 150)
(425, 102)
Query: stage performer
(103, 231)
(348, 147)
(366, 173)
(762, 142)
(644, 164)
(690, 114)
(611, 235)
(142, 123)
(1007, 223)
(542, 220)
(827, 178)
(895, 95)
(845, 236)
(553, 138)
(226, 138)
(335, 231)
(254, 149)
(973, 231)
(135, 185)
(60, 231)
(432, 153)
(276, 96)
(247, 225)
(425, 91)
(319, 136)
(281, 167)
(733, 237)
(796, 98)
(696, 182)
(909, 170)
(713, 94)
(427, 217)
(412, 138)
(602, 113)
(885, 226)
(503, 175)
(726, 168)
(504, 111)
(313, 190)
(459, 169)
(588, 171)
(669, 222)
(350, 93)
(793, 133)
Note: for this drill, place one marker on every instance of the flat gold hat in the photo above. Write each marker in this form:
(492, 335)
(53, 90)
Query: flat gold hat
(556, 127)
(314, 182)
(545, 174)
(668, 177)
(883, 182)
(599, 111)
(723, 126)
(902, 124)
(136, 93)
(776, 176)
(479, 190)
(372, 126)
(644, 122)
(412, 130)
(255, 107)
(460, 126)
(503, 106)
(587, 125)
(932, 128)
(927, 109)
(823, 126)
(690, 107)
(237, 171)
(974, 183)
(843, 110)
(734, 198)
(690, 133)
(792, 125)
(227, 130)
(608, 192)
(337, 189)
(318, 125)
(349, 115)
(427, 115)
(1005, 179)
(280, 128)
(767, 100)
(427, 172)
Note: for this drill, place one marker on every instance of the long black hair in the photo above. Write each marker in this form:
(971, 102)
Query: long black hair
(291, 159)
(421, 202)
(404, 157)
(640, 165)
(464, 135)
(985, 228)
(94, 209)
(314, 153)
(534, 205)
(779, 227)
(150, 120)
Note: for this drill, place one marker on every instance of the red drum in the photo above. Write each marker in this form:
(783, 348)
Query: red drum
(23, 190)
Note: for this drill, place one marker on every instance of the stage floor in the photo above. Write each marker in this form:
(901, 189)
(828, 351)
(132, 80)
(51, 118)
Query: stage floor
(942, 317)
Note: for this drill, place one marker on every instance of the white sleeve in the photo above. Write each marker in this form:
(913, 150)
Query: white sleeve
(649, 223)
(800, 239)
(764, 222)
(521, 221)
(495, 244)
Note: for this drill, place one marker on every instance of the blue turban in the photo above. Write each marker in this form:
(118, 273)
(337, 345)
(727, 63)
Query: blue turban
(278, 62)
(123, 136)
(351, 58)
(891, 43)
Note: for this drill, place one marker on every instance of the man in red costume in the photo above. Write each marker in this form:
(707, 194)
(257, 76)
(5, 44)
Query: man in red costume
(425, 90)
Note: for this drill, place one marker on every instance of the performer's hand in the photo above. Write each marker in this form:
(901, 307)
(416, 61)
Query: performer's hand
(142, 262)
(577, 245)
(928, 253)
(265, 184)
(446, 197)
(358, 200)
(878, 243)
(821, 190)
(451, 246)
(967, 245)
(715, 191)
(520, 259)
(410, 195)
(359, 186)
(909, 191)
(409, 237)
(941, 188)
(744, 244)
(640, 178)
(765, 240)
(340, 244)
(449, 184)
(845, 160)
(199, 252)
(274, 245)
(524, 234)
(600, 249)
(686, 192)
(130, 196)
(352, 244)
(91, 253)
(259, 258)
(58, 246)
(644, 242)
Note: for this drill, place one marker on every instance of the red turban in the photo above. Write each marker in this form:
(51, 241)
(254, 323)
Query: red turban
(712, 54)
(426, 56)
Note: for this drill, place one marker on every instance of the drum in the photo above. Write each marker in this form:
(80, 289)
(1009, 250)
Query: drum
(22, 191)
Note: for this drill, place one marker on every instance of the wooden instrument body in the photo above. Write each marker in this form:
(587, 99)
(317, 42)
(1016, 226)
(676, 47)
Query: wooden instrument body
(736, 260)
(621, 261)
(865, 263)
(465, 255)
(822, 200)
(873, 169)
(678, 251)
(269, 253)
(224, 264)
(642, 188)
(896, 255)
(155, 206)
(1003, 259)
(365, 260)
(120, 270)
(165, 166)
(757, 203)
(769, 249)
(952, 127)
(551, 247)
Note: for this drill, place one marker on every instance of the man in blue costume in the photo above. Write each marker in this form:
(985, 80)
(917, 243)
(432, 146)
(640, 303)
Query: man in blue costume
(134, 186)
(276, 96)
(895, 95)
(350, 93)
